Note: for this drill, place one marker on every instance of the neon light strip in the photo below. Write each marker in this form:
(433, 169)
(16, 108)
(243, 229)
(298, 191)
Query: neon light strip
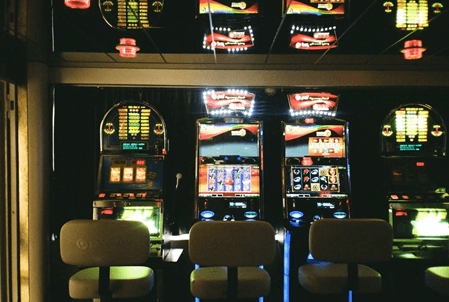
(287, 242)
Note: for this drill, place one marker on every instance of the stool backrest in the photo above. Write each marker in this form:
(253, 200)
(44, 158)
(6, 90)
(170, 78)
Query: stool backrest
(232, 243)
(351, 240)
(104, 242)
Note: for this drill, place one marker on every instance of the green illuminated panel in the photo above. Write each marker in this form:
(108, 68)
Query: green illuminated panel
(150, 216)
(430, 222)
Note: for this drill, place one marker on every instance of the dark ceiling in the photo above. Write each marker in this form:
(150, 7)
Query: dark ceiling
(366, 30)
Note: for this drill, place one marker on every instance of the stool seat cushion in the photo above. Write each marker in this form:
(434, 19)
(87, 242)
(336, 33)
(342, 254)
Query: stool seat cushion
(125, 282)
(332, 278)
(437, 279)
(211, 282)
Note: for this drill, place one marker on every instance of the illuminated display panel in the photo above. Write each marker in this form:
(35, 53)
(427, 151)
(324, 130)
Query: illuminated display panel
(228, 7)
(414, 129)
(150, 216)
(134, 121)
(315, 7)
(315, 141)
(228, 102)
(141, 174)
(228, 139)
(127, 174)
(313, 180)
(128, 14)
(313, 37)
(420, 223)
(230, 39)
(412, 14)
(411, 125)
(313, 103)
(115, 175)
(133, 127)
(229, 181)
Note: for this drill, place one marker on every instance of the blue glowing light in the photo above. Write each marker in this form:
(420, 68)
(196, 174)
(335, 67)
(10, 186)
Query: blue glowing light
(340, 215)
(250, 214)
(296, 214)
(207, 214)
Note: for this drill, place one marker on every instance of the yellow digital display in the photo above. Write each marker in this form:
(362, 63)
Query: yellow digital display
(132, 14)
(412, 14)
(134, 121)
(411, 125)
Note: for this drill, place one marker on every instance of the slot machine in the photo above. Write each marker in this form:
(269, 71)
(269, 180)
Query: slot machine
(133, 146)
(413, 152)
(228, 158)
(315, 170)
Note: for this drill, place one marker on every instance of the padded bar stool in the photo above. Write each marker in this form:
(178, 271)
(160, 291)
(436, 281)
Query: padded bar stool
(346, 243)
(110, 249)
(231, 253)
(437, 279)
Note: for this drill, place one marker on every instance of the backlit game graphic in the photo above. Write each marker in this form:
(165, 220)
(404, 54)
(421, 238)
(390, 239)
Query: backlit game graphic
(229, 180)
(413, 129)
(311, 103)
(314, 141)
(228, 39)
(229, 101)
(313, 37)
(228, 7)
(131, 15)
(315, 7)
(412, 14)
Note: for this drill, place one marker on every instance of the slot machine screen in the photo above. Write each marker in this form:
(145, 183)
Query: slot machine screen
(315, 7)
(228, 139)
(315, 181)
(229, 181)
(315, 141)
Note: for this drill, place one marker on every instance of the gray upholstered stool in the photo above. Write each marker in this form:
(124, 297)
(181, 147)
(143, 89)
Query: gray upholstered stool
(231, 252)
(346, 243)
(110, 249)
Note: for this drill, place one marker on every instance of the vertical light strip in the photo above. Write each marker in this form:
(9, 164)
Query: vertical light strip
(287, 240)
(22, 131)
